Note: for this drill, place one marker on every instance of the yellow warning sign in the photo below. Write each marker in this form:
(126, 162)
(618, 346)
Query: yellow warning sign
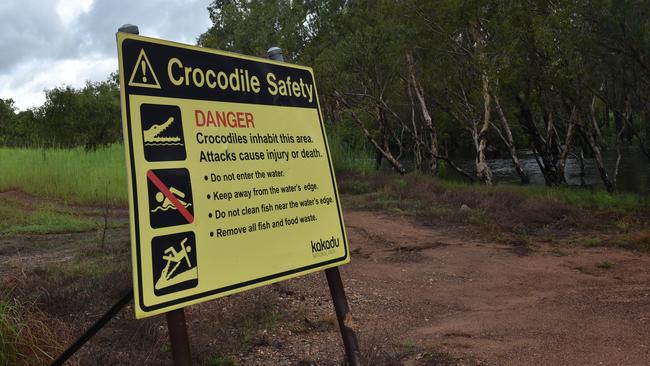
(143, 74)
(231, 184)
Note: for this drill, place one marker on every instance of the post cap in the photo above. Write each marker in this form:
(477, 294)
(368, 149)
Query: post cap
(275, 53)
(129, 28)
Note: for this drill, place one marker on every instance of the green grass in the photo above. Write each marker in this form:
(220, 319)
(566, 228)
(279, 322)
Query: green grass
(24, 338)
(96, 268)
(72, 175)
(593, 242)
(9, 332)
(605, 265)
(223, 361)
(577, 197)
(588, 198)
(16, 219)
(348, 158)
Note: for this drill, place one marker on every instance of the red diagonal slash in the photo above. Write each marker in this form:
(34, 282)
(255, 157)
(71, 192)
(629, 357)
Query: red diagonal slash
(161, 186)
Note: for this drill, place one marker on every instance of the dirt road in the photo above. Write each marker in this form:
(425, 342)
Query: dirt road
(495, 304)
(420, 295)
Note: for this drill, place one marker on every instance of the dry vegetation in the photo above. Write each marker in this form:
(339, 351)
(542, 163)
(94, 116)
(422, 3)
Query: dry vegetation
(508, 214)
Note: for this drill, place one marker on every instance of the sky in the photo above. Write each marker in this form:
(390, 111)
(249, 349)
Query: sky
(50, 43)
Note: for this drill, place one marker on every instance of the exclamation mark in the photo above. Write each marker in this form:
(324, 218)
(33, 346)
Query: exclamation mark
(143, 66)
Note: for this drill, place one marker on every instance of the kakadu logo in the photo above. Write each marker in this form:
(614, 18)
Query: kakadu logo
(324, 244)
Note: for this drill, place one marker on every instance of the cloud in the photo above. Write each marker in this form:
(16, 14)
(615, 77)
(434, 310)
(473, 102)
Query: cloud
(30, 34)
(26, 84)
(46, 44)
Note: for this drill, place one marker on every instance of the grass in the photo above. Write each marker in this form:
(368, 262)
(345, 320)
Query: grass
(91, 279)
(94, 268)
(98, 177)
(10, 328)
(605, 265)
(504, 212)
(380, 349)
(350, 158)
(593, 242)
(72, 175)
(577, 197)
(223, 361)
(17, 219)
(24, 338)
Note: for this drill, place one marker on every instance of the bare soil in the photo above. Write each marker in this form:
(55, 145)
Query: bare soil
(420, 295)
(496, 304)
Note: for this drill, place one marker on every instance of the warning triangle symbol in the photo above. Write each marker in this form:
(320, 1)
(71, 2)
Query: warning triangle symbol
(143, 75)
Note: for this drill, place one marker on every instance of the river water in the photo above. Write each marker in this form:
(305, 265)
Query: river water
(634, 172)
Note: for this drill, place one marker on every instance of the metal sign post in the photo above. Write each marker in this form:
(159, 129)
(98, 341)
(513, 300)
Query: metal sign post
(176, 324)
(344, 316)
(178, 338)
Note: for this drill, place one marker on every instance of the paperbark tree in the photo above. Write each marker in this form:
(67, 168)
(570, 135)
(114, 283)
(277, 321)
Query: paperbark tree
(506, 136)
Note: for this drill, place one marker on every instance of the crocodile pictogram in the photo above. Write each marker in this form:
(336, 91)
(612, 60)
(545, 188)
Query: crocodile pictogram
(152, 134)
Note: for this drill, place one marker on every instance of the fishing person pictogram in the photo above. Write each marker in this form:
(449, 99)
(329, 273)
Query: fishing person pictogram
(170, 197)
(162, 132)
(175, 266)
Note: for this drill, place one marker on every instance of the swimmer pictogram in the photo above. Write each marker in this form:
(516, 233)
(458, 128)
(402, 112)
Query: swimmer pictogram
(170, 197)
(166, 204)
(175, 266)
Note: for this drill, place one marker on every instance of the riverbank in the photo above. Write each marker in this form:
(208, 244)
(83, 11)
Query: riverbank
(507, 213)
(633, 176)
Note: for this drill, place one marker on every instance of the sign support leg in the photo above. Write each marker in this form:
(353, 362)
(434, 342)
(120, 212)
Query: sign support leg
(99, 324)
(343, 315)
(178, 337)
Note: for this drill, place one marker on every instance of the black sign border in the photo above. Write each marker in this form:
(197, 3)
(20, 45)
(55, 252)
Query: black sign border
(125, 94)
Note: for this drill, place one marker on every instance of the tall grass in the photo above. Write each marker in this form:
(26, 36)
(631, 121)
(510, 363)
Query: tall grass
(72, 175)
(350, 157)
(24, 338)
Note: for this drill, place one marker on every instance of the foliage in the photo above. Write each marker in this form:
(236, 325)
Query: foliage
(70, 117)
(349, 156)
(570, 78)
(282, 24)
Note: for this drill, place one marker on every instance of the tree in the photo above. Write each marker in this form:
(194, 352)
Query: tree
(87, 117)
(7, 119)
